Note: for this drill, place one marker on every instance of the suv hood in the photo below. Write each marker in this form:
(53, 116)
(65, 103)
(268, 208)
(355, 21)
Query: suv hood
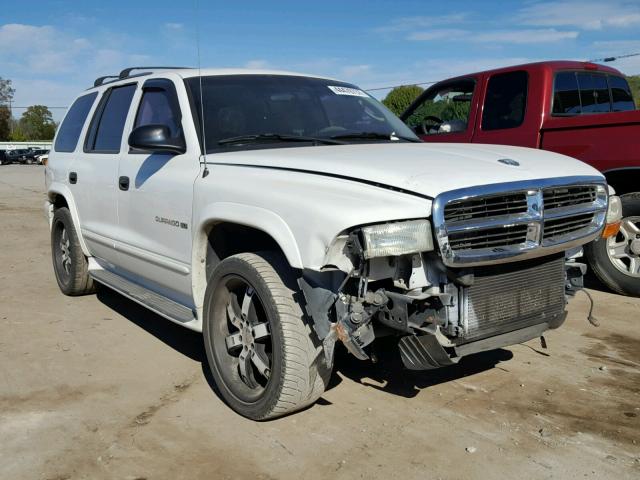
(424, 168)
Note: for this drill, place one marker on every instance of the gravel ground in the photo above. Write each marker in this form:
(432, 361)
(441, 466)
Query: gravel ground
(96, 387)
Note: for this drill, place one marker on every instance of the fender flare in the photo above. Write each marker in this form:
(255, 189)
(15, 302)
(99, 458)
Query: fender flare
(63, 190)
(247, 215)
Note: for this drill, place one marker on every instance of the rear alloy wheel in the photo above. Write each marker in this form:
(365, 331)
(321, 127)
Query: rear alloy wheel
(263, 354)
(616, 260)
(69, 263)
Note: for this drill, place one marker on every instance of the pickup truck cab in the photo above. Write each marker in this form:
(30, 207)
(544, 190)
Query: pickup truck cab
(280, 213)
(579, 109)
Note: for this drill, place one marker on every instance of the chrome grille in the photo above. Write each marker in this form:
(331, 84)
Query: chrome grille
(560, 227)
(503, 302)
(484, 207)
(497, 223)
(471, 239)
(569, 196)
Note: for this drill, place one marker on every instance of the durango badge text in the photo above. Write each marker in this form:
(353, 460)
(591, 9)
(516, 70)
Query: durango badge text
(173, 223)
(315, 217)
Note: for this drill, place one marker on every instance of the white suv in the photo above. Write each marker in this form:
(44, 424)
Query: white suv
(279, 213)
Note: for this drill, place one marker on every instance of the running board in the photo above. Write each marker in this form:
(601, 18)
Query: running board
(151, 300)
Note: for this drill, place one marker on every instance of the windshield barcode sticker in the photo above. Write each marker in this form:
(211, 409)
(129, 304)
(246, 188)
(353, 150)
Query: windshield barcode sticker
(354, 92)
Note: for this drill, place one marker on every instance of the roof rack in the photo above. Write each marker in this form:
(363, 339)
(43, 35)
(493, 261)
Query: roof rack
(100, 80)
(126, 73)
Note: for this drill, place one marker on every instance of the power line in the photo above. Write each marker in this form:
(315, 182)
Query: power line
(396, 86)
(613, 59)
(45, 106)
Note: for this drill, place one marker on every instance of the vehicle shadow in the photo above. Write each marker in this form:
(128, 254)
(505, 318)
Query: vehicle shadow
(387, 374)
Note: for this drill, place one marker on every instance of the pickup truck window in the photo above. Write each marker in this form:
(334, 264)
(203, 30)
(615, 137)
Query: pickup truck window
(620, 94)
(272, 107)
(506, 101)
(594, 93)
(107, 125)
(576, 93)
(69, 131)
(445, 109)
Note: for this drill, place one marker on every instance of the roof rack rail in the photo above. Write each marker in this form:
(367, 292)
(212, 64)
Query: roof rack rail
(127, 71)
(100, 80)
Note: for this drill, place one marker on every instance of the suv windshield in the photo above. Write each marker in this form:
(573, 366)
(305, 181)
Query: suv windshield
(267, 111)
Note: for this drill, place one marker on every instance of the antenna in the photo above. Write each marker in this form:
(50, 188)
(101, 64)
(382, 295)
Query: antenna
(205, 172)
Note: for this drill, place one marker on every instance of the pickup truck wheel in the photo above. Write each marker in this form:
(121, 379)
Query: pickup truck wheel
(616, 260)
(69, 263)
(262, 351)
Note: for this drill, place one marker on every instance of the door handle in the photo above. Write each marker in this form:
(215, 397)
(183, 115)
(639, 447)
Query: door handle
(123, 183)
(73, 178)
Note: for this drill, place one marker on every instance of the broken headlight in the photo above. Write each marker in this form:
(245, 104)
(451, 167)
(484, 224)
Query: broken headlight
(393, 239)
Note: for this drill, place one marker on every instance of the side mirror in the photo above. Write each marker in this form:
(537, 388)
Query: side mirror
(156, 138)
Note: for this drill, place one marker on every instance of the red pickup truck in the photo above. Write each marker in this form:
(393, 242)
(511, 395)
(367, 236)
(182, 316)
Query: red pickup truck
(580, 109)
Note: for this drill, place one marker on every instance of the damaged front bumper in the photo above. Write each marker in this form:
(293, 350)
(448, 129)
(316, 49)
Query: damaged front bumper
(456, 312)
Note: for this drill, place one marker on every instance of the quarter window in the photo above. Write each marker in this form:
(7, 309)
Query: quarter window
(506, 101)
(69, 131)
(621, 98)
(105, 135)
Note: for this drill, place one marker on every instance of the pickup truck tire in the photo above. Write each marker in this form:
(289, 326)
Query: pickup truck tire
(264, 356)
(69, 263)
(620, 278)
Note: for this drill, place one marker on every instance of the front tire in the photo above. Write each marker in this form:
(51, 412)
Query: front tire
(264, 356)
(616, 260)
(69, 263)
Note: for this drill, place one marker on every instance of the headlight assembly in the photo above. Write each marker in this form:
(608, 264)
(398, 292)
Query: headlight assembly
(393, 239)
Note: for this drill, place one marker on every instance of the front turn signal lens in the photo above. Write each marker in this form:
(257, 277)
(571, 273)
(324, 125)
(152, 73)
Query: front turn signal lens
(611, 229)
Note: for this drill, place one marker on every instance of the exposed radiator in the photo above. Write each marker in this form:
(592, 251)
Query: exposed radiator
(502, 302)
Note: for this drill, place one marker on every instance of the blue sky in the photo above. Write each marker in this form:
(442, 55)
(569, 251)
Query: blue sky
(52, 50)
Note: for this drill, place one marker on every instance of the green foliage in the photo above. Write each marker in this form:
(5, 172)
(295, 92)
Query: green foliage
(634, 83)
(37, 123)
(399, 99)
(6, 91)
(5, 123)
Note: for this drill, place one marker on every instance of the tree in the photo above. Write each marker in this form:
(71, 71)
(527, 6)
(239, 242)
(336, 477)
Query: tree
(6, 91)
(5, 123)
(634, 83)
(37, 123)
(6, 95)
(399, 99)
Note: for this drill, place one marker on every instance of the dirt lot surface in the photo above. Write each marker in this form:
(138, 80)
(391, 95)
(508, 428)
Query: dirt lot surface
(97, 387)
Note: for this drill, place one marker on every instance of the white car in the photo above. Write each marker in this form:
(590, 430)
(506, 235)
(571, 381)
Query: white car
(279, 213)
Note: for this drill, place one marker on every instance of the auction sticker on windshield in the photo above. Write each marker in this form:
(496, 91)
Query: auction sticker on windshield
(353, 92)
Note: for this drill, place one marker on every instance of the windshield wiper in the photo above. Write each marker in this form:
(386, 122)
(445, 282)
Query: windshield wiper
(277, 137)
(375, 136)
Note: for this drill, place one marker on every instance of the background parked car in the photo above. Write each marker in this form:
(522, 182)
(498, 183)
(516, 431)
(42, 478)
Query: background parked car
(34, 155)
(3, 157)
(18, 155)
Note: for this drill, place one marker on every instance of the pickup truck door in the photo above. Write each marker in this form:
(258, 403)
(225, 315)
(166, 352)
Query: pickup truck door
(155, 199)
(506, 117)
(93, 176)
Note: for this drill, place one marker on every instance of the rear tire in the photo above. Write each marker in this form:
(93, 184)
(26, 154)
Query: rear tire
(69, 263)
(263, 353)
(616, 260)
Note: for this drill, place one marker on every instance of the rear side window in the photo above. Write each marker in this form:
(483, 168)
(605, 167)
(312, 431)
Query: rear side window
(594, 93)
(506, 101)
(621, 99)
(73, 122)
(105, 135)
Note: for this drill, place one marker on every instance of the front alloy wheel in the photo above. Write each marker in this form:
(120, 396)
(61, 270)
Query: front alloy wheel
(264, 356)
